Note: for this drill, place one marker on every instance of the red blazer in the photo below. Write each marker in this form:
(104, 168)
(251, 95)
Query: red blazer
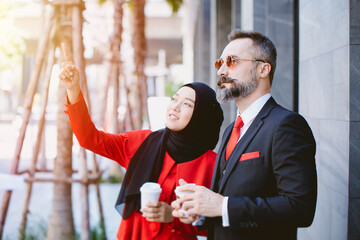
(121, 148)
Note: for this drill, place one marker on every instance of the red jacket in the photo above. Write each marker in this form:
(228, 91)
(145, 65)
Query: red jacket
(121, 148)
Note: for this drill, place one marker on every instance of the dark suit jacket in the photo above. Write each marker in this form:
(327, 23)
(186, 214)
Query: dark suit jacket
(270, 196)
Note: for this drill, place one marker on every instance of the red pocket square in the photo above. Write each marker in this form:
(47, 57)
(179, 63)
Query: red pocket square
(249, 155)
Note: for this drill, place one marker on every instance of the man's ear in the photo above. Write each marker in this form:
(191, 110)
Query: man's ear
(264, 70)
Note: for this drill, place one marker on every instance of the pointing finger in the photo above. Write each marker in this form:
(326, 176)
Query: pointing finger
(66, 52)
(68, 68)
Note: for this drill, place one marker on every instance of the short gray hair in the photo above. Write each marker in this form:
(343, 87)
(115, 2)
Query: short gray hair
(264, 48)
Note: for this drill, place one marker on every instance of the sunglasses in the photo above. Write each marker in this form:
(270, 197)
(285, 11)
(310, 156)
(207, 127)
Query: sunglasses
(230, 60)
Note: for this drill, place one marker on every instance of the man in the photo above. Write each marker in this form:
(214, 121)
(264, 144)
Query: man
(264, 183)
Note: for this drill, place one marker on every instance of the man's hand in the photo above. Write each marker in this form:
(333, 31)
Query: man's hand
(69, 76)
(202, 202)
(179, 213)
(157, 212)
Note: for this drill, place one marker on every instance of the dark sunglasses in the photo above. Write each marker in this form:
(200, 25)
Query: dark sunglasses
(230, 60)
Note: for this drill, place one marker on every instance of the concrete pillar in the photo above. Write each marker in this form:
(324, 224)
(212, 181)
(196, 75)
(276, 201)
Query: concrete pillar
(221, 25)
(354, 147)
(329, 87)
(214, 22)
(275, 19)
(202, 43)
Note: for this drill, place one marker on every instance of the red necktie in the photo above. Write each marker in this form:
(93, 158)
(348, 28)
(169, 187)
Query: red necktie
(235, 134)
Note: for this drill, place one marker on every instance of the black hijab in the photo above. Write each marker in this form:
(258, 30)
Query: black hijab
(200, 135)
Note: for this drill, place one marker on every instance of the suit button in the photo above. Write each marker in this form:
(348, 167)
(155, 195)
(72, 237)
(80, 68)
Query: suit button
(224, 172)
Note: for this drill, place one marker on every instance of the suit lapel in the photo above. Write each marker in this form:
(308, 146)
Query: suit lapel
(244, 141)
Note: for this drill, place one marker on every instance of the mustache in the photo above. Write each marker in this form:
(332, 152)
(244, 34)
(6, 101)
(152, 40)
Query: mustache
(225, 80)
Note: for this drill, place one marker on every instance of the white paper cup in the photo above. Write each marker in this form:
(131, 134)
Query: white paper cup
(180, 194)
(150, 192)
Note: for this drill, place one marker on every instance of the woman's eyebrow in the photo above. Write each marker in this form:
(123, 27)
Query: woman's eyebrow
(190, 99)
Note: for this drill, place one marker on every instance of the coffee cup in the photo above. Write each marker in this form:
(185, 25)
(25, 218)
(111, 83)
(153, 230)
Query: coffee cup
(180, 194)
(150, 192)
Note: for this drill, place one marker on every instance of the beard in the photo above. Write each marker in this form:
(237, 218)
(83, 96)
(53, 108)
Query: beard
(237, 89)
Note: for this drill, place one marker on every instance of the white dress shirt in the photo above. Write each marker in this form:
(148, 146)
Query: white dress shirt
(248, 117)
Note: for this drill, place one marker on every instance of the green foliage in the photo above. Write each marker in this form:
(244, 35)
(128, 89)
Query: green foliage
(130, 4)
(175, 5)
(111, 179)
(98, 232)
(35, 230)
(4, 9)
(171, 88)
(100, 2)
(12, 44)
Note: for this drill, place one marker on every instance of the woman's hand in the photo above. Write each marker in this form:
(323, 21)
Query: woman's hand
(181, 215)
(157, 212)
(69, 76)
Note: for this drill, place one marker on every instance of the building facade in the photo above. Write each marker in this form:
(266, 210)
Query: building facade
(317, 75)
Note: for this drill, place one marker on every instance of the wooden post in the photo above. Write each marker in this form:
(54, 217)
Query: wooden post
(40, 55)
(79, 63)
(42, 164)
(45, 94)
(104, 100)
(62, 178)
(128, 116)
(96, 171)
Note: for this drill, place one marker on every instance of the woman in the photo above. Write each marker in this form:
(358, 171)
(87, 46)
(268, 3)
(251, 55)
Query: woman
(183, 150)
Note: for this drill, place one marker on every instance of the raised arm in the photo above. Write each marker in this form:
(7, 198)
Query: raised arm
(118, 147)
(69, 76)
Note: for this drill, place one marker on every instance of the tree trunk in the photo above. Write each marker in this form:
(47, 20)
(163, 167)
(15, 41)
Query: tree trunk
(79, 61)
(61, 223)
(115, 70)
(139, 44)
(115, 43)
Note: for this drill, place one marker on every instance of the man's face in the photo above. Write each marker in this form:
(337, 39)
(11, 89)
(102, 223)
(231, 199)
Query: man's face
(239, 79)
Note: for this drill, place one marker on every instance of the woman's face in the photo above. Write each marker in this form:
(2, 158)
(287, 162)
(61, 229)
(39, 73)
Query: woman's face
(180, 109)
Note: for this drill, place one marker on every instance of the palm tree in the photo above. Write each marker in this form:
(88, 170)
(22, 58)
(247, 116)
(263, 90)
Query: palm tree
(139, 44)
(61, 224)
(115, 65)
